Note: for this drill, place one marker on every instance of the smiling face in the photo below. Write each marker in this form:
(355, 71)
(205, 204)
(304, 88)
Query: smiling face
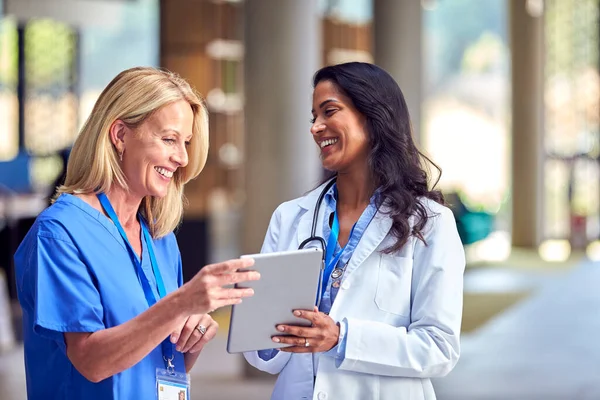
(153, 151)
(338, 129)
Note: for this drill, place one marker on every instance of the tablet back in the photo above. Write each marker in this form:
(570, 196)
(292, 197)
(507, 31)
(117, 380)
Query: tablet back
(288, 281)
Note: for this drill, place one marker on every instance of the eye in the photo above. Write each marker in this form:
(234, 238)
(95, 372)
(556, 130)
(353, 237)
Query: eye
(187, 143)
(329, 112)
(168, 140)
(312, 120)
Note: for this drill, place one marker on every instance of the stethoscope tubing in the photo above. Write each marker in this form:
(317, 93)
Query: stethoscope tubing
(313, 235)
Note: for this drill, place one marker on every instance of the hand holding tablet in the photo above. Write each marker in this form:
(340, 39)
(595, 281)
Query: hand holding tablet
(289, 281)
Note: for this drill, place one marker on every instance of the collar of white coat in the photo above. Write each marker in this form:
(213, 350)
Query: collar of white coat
(377, 230)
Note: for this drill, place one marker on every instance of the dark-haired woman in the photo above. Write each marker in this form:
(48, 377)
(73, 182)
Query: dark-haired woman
(390, 314)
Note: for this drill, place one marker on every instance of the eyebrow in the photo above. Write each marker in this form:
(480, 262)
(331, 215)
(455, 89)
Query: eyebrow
(323, 104)
(177, 132)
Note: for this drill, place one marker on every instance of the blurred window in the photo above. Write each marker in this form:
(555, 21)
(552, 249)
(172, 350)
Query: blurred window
(572, 112)
(466, 103)
(50, 77)
(9, 104)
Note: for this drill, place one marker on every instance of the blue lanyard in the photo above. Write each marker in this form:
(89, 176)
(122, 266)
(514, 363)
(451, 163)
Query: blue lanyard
(331, 260)
(167, 346)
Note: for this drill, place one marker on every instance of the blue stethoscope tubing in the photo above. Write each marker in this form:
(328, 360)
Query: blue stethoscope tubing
(314, 238)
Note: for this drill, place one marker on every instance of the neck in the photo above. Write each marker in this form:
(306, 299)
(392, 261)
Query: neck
(355, 188)
(125, 205)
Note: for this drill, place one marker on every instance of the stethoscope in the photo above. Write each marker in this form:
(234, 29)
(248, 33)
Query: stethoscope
(314, 238)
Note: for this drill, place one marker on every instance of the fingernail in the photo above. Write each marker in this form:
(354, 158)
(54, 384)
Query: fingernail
(280, 328)
(297, 313)
(174, 339)
(250, 292)
(276, 340)
(178, 348)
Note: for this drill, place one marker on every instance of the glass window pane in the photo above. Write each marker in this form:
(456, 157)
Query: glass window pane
(50, 104)
(466, 103)
(556, 207)
(9, 105)
(572, 112)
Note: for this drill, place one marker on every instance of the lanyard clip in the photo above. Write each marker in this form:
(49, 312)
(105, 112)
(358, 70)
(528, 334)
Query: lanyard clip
(170, 366)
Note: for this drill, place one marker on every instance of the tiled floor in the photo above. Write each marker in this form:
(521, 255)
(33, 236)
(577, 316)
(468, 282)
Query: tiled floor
(545, 347)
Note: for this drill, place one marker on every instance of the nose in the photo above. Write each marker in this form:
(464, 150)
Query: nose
(317, 127)
(180, 156)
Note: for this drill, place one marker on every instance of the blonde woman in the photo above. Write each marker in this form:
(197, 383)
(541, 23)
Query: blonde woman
(99, 274)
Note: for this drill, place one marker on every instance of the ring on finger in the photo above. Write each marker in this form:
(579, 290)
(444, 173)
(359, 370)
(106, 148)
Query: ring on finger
(306, 344)
(201, 328)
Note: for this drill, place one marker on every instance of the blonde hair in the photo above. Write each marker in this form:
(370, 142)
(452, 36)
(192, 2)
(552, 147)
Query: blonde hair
(132, 96)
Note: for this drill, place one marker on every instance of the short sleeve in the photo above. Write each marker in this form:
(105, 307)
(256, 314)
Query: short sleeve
(65, 298)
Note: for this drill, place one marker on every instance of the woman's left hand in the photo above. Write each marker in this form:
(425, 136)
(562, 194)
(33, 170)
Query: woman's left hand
(191, 338)
(322, 336)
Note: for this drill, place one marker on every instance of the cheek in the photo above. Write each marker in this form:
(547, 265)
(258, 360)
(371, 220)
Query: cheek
(154, 154)
(358, 142)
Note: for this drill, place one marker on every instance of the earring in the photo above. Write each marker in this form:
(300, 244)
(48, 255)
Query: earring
(121, 156)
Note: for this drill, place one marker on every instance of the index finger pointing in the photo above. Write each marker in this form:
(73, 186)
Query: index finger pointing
(229, 266)
(237, 277)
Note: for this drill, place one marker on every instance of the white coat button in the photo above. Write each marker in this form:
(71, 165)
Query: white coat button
(322, 396)
(346, 285)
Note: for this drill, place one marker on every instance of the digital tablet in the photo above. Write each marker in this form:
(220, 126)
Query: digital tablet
(288, 281)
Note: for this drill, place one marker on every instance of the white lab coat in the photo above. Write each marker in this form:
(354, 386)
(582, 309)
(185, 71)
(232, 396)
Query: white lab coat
(403, 311)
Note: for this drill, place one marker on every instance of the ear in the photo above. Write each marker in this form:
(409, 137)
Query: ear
(117, 135)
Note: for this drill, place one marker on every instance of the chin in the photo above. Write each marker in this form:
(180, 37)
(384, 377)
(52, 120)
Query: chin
(158, 193)
(330, 166)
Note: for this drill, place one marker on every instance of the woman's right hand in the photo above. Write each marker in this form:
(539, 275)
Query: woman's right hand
(205, 293)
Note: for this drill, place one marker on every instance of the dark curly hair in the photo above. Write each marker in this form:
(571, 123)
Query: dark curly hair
(397, 165)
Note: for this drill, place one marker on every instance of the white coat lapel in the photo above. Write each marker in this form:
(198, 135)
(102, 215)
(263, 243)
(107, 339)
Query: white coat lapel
(304, 228)
(371, 239)
(309, 203)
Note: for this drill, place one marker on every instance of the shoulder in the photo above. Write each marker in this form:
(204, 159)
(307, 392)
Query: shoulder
(440, 219)
(290, 207)
(168, 241)
(55, 221)
(435, 209)
(52, 234)
(66, 217)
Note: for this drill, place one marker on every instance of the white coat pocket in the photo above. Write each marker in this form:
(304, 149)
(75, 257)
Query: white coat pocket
(394, 285)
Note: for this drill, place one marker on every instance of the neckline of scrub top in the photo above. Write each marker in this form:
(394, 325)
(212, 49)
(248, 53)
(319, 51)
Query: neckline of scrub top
(94, 213)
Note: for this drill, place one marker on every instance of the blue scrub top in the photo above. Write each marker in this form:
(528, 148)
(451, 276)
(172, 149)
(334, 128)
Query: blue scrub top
(74, 274)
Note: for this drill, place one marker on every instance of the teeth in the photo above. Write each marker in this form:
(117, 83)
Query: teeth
(328, 142)
(164, 172)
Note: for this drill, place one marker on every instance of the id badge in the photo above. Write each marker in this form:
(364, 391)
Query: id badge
(172, 385)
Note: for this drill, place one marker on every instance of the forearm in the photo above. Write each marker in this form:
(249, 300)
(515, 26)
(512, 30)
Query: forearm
(110, 351)
(273, 366)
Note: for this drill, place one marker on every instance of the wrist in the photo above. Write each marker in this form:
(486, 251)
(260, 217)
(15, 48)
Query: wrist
(178, 304)
(338, 331)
